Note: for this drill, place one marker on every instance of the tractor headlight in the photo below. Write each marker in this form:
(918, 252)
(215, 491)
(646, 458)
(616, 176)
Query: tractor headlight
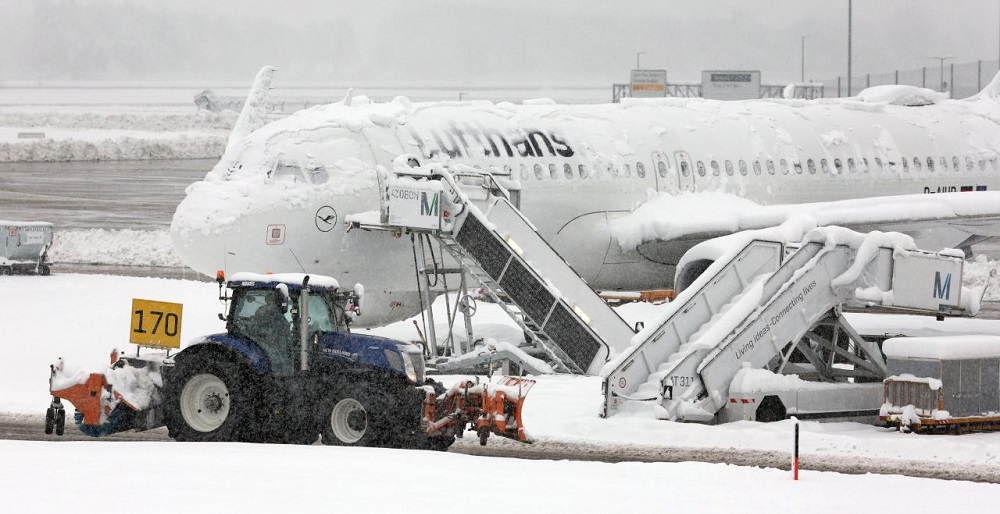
(408, 360)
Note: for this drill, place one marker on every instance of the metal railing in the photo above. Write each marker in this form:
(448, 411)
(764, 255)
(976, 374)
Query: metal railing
(801, 91)
(900, 393)
(960, 80)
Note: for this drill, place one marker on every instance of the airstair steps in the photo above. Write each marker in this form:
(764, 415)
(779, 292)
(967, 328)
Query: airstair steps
(691, 311)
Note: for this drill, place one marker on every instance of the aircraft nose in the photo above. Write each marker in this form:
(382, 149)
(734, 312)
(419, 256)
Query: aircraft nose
(200, 230)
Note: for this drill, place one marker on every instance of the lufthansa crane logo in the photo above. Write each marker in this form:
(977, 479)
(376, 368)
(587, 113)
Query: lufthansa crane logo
(326, 218)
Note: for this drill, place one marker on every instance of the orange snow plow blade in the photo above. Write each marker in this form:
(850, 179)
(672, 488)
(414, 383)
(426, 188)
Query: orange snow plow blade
(86, 397)
(493, 408)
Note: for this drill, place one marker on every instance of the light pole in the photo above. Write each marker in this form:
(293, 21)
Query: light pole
(637, 54)
(850, 6)
(941, 60)
(803, 77)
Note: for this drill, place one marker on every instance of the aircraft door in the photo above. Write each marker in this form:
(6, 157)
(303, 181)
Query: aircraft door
(663, 172)
(684, 171)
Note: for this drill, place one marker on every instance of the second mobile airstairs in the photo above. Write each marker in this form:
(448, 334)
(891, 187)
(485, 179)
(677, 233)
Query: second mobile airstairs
(769, 305)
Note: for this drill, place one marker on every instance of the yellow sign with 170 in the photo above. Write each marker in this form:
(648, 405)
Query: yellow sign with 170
(156, 324)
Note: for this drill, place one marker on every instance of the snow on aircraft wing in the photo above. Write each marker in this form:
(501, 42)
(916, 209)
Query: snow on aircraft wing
(944, 218)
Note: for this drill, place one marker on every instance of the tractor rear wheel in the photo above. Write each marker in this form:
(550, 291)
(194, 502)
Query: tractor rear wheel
(208, 399)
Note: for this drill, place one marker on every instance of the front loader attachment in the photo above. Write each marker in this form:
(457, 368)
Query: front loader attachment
(491, 408)
(123, 397)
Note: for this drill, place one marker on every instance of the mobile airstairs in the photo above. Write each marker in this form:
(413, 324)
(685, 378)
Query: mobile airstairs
(768, 305)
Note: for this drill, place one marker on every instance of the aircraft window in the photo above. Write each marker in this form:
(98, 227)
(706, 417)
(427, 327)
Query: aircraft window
(864, 160)
(812, 165)
(878, 163)
(715, 168)
(906, 165)
(685, 169)
(982, 165)
(825, 165)
(839, 166)
(729, 167)
(628, 170)
(756, 167)
(743, 167)
(993, 163)
(538, 171)
(506, 169)
(930, 164)
(583, 171)
(287, 169)
(969, 165)
(784, 166)
(553, 172)
(701, 169)
(850, 165)
(770, 167)
(661, 168)
(613, 170)
(916, 164)
(568, 170)
(640, 169)
(318, 174)
(524, 172)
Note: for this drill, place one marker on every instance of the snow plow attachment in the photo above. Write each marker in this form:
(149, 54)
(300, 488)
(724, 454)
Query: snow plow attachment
(493, 408)
(124, 397)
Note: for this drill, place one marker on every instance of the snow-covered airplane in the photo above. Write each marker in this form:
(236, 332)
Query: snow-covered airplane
(621, 190)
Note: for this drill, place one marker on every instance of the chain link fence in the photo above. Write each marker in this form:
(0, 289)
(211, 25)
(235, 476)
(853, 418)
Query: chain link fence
(961, 80)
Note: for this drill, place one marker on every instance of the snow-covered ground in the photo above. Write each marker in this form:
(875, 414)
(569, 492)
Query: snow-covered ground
(83, 317)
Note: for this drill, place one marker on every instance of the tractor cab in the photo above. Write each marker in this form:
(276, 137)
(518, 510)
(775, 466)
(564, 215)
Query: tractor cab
(268, 309)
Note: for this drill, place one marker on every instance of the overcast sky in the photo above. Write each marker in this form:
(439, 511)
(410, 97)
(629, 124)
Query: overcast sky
(481, 42)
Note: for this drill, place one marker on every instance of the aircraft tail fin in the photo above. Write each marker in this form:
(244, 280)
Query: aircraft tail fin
(254, 113)
(990, 92)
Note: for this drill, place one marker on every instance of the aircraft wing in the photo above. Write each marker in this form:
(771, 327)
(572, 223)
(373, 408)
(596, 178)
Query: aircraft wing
(956, 220)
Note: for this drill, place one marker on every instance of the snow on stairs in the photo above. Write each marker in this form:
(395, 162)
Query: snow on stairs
(698, 345)
(779, 308)
(695, 307)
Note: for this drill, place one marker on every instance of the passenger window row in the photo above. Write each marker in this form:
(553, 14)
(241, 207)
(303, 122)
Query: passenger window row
(744, 168)
(850, 165)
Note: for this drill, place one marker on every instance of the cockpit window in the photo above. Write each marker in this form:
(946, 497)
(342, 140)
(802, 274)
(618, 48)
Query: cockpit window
(317, 174)
(284, 170)
(314, 172)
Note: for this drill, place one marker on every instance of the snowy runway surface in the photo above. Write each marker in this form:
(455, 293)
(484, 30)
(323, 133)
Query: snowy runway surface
(92, 478)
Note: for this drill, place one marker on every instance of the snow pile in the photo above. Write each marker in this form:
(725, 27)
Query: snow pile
(668, 216)
(118, 247)
(110, 147)
(137, 387)
(976, 274)
(748, 380)
(105, 120)
(901, 95)
(71, 136)
(941, 348)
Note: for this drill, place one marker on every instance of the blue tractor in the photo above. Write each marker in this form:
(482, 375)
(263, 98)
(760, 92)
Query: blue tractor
(287, 370)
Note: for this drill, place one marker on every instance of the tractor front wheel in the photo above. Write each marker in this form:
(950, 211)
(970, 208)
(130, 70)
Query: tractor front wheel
(355, 416)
